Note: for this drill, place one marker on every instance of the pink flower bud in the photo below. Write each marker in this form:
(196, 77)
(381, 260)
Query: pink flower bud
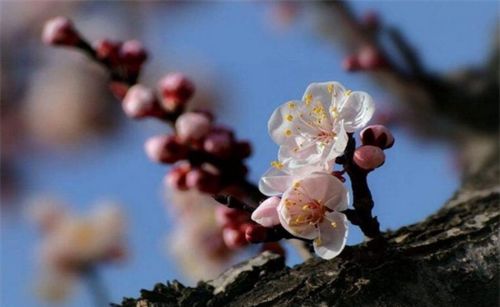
(225, 216)
(266, 213)
(234, 238)
(175, 89)
(60, 31)
(108, 50)
(119, 89)
(176, 177)
(218, 143)
(132, 56)
(165, 149)
(370, 58)
(369, 157)
(133, 51)
(377, 135)
(351, 63)
(192, 126)
(255, 233)
(140, 102)
(203, 181)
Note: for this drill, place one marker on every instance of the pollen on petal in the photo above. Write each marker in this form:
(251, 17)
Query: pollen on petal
(289, 117)
(291, 105)
(288, 132)
(334, 225)
(348, 93)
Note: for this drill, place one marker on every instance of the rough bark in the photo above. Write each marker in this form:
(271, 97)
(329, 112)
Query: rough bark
(450, 258)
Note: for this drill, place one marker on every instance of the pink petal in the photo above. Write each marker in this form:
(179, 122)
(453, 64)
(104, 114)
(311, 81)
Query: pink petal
(266, 214)
(332, 235)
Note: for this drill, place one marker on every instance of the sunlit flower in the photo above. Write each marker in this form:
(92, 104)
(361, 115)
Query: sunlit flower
(310, 206)
(314, 130)
(310, 209)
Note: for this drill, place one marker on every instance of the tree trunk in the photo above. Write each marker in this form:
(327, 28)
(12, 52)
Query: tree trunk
(448, 259)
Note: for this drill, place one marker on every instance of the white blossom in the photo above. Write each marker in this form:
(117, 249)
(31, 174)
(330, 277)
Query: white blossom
(314, 131)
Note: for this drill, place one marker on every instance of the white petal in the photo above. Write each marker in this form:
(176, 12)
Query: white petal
(332, 235)
(357, 110)
(324, 91)
(316, 104)
(266, 213)
(326, 189)
(305, 231)
(282, 128)
(308, 154)
(336, 149)
(302, 230)
(274, 182)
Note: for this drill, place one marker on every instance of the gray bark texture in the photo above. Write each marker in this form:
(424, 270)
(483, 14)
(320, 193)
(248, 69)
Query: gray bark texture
(449, 259)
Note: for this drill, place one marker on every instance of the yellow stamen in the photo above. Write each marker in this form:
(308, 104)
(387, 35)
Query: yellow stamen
(277, 164)
(334, 225)
(289, 117)
(288, 132)
(348, 92)
(308, 99)
(335, 112)
(291, 105)
(329, 87)
(296, 184)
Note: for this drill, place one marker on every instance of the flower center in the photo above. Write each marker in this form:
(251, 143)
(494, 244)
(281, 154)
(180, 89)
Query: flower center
(311, 213)
(324, 137)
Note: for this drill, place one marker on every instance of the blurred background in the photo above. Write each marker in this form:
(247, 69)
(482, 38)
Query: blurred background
(64, 136)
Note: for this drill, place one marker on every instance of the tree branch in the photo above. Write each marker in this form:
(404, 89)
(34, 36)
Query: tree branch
(448, 259)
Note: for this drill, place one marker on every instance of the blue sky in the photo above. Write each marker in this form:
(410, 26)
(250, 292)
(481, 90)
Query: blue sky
(256, 69)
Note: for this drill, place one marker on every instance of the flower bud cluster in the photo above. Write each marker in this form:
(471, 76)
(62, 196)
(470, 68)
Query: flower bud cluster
(238, 230)
(375, 139)
(124, 58)
(208, 157)
(167, 102)
(234, 224)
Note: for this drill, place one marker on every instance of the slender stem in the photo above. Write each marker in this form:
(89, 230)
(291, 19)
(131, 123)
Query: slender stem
(96, 287)
(362, 197)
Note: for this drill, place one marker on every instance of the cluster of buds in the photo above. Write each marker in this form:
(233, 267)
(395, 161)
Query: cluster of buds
(239, 230)
(168, 102)
(208, 157)
(123, 58)
(369, 58)
(375, 139)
